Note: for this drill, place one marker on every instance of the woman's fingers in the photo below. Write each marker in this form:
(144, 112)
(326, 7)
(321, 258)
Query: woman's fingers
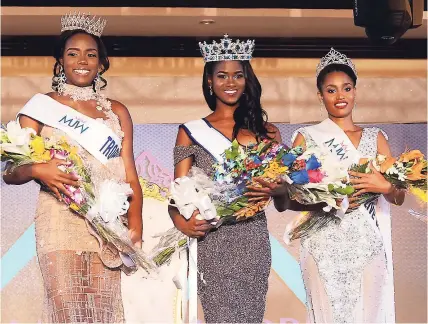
(257, 194)
(197, 234)
(254, 199)
(360, 192)
(64, 190)
(353, 206)
(360, 186)
(357, 180)
(56, 192)
(70, 182)
(357, 174)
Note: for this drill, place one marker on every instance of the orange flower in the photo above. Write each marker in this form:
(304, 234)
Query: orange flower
(389, 162)
(411, 155)
(415, 171)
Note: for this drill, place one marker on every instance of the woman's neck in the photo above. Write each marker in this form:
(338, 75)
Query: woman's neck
(345, 123)
(224, 111)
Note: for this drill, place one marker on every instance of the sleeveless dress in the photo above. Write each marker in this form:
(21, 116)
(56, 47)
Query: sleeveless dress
(235, 261)
(344, 265)
(78, 286)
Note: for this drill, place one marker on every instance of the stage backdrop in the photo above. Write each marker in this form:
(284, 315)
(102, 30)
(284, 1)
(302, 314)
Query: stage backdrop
(152, 300)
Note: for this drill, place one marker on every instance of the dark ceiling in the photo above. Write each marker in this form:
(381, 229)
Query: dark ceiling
(186, 46)
(300, 4)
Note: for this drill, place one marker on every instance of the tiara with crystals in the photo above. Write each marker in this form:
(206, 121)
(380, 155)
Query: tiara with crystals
(73, 21)
(335, 57)
(227, 50)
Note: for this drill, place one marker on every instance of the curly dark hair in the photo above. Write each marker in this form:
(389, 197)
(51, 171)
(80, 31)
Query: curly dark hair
(335, 68)
(249, 114)
(59, 53)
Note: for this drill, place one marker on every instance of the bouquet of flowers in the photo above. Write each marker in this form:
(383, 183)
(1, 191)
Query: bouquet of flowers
(101, 204)
(221, 198)
(408, 172)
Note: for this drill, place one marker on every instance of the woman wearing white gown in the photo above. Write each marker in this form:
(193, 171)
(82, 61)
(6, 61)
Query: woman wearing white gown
(346, 267)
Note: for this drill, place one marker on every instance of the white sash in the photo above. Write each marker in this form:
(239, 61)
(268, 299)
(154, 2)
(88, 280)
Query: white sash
(95, 137)
(215, 143)
(202, 133)
(329, 136)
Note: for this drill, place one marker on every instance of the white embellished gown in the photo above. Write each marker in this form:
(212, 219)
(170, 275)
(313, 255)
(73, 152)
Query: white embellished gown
(344, 266)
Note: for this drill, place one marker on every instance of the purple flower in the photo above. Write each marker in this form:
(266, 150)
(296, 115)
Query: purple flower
(60, 154)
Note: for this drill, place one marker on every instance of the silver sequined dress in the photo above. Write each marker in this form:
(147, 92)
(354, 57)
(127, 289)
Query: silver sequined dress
(344, 265)
(235, 261)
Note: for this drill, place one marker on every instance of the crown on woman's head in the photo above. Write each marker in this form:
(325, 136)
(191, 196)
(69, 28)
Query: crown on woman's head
(227, 50)
(89, 24)
(335, 57)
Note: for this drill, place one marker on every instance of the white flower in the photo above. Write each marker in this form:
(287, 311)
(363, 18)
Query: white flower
(16, 139)
(375, 165)
(111, 201)
(191, 193)
(392, 170)
(402, 177)
(381, 158)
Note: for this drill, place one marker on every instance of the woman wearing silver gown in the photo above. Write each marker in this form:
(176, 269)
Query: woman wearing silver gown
(346, 267)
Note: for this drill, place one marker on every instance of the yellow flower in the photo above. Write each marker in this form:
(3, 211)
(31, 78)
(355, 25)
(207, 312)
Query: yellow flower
(74, 207)
(76, 159)
(46, 156)
(73, 150)
(419, 193)
(38, 145)
(274, 170)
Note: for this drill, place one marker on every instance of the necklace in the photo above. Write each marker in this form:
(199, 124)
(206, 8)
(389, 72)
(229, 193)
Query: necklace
(85, 94)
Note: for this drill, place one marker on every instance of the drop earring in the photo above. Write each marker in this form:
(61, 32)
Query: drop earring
(211, 90)
(61, 80)
(97, 82)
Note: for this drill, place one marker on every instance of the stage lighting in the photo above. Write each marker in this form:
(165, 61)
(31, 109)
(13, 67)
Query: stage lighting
(386, 21)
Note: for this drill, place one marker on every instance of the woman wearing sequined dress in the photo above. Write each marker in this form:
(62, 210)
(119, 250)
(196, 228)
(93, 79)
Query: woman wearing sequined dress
(79, 287)
(347, 267)
(235, 259)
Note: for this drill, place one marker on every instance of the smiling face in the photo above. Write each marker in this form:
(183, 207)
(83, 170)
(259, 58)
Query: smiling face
(338, 94)
(228, 82)
(80, 60)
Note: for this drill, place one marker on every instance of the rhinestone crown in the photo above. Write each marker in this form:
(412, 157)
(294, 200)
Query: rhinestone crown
(227, 50)
(335, 57)
(89, 24)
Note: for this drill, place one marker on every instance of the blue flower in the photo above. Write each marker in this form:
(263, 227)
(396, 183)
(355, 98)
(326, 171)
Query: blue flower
(288, 159)
(257, 160)
(300, 177)
(312, 163)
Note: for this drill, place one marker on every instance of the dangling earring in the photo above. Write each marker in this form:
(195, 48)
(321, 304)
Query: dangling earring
(97, 82)
(61, 80)
(321, 106)
(211, 90)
